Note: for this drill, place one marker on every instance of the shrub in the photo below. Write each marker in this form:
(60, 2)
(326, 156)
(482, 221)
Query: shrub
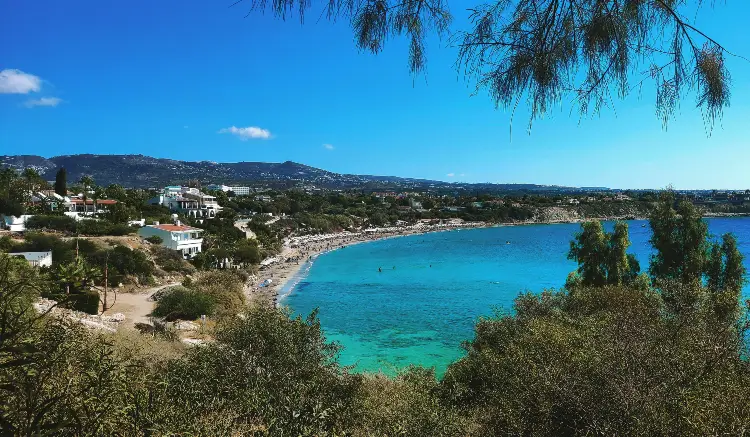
(102, 227)
(86, 301)
(6, 243)
(53, 222)
(225, 287)
(171, 260)
(154, 239)
(123, 262)
(182, 303)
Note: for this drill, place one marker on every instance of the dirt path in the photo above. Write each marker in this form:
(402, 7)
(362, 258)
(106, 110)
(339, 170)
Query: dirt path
(136, 306)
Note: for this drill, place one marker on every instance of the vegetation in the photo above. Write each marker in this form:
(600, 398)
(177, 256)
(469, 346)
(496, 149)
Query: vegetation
(181, 303)
(661, 354)
(171, 260)
(61, 182)
(154, 239)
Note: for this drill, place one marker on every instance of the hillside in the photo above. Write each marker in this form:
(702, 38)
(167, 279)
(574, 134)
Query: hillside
(141, 171)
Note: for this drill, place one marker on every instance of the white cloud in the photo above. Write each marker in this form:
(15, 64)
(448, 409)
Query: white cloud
(450, 175)
(462, 174)
(44, 101)
(18, 82)
(247, 133)
(328, 146)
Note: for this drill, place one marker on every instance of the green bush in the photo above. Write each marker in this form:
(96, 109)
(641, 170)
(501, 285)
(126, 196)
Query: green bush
(102, 227)
(53, 222)
(226, 289)
(122, 262)
(87, 301)
(171, 260)
(182, 303)
(154, 239)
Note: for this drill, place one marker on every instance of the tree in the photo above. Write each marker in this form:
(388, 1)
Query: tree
(725, 277)
(88, 184)
(680, 237)
(61, 182)
(549, 51)
(602, 257)
(589, 249)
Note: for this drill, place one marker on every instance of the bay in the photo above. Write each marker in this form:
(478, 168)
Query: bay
(431, 288)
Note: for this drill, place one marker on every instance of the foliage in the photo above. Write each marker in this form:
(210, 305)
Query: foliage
(13, 193)
(224, 287)
(51, 222)
(680, 238)
(181, 303)
(61, 182)
(601, 256)
(608, 358)
(171, 260)
(406, 405)
(123, 262)
(102, 227)
(154, 239)
(275, 374)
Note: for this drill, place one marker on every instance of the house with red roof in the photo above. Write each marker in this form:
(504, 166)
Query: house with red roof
(185, 239)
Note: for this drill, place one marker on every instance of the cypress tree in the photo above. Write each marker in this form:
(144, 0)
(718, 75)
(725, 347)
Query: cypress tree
(61, 182)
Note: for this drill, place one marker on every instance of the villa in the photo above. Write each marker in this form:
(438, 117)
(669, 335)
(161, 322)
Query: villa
(189, 201)
(37, 259)
(89, 206)
(238, 191)
(14, 223)
(185, 239)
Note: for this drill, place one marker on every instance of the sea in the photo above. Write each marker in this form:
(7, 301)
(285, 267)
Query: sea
(415, 299)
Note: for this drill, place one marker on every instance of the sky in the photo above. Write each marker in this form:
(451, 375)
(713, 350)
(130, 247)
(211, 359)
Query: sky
(199, 80)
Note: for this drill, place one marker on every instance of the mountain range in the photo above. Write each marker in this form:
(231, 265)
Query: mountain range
(139, 171)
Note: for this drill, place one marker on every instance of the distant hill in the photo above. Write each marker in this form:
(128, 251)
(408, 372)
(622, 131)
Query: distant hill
(141, 171)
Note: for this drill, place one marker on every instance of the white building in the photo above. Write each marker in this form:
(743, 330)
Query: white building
(186, 239)
(15, 224)
(238, 191)
(189, 201)
(37, 259)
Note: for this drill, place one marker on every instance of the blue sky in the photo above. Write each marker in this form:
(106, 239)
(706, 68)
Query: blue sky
(185, 79)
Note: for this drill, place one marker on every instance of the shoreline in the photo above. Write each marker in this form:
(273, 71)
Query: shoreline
(300, 252)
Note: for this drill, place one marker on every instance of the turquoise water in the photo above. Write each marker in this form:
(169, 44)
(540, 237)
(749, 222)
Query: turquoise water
(433, 287)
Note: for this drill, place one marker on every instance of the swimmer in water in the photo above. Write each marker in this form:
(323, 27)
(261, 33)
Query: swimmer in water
(380, 269)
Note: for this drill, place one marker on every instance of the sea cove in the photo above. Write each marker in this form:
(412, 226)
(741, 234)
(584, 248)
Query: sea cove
(433, 287)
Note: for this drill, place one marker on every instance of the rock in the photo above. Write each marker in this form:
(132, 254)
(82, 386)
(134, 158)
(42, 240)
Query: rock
(95, 325)
(44, 305)
(115, 318)
(193, 341)
(184, 325)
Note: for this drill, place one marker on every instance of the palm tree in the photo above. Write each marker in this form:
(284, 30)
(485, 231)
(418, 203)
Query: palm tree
(32, 178)
(87, 182)
(77, 275)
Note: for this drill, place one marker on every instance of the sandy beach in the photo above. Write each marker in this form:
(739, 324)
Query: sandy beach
(299, 251)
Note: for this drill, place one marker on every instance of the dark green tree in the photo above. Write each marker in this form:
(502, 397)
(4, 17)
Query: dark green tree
(61, 182)
(680, 238)
(618, 262)
(590, 250)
